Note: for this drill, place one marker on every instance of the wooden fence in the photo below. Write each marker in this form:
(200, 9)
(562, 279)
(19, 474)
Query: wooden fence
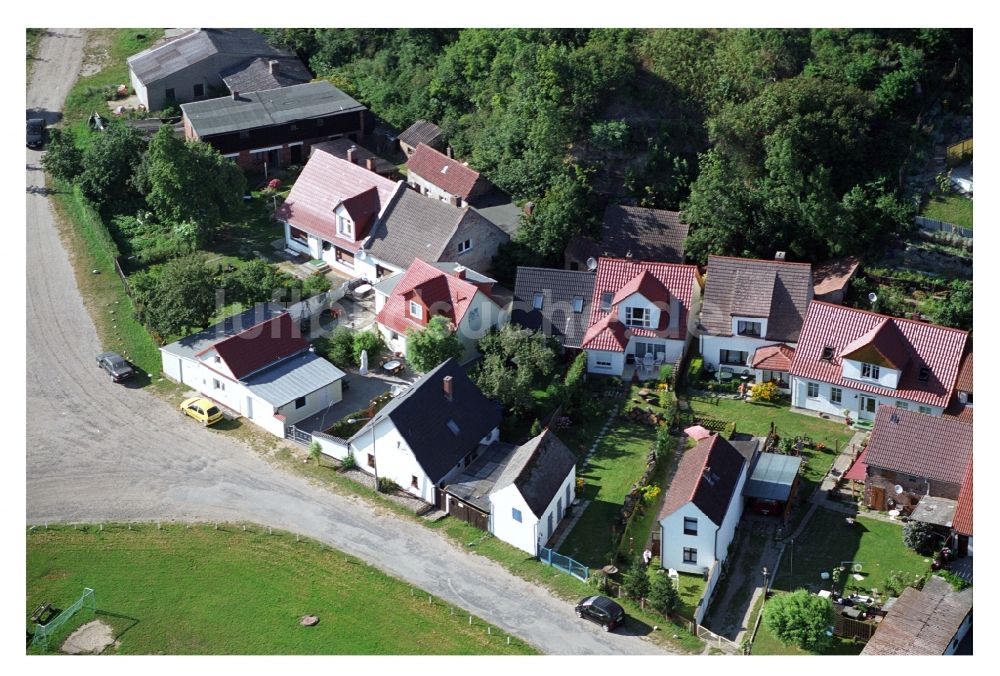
(959, 152)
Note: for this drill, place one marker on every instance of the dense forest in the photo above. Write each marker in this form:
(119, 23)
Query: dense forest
(780, 138)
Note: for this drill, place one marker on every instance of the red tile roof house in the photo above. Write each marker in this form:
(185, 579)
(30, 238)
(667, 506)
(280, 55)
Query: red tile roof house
(911, 456)
(851, 361)
(442, 177)
(406, 302)
(259, 365)
(702, 507)
(640, 309)
(752, 315)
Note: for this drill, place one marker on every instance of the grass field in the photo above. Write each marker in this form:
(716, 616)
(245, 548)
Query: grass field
(950, 209)
(201, 591)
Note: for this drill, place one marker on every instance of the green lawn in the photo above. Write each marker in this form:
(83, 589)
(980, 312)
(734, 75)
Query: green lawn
(692, 588)
(619, 462)
(950, 209)
(201, 591)
(877, 545)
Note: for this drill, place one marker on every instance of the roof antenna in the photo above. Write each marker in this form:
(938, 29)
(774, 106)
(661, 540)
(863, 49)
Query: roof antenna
(871, 299)
(591, 263)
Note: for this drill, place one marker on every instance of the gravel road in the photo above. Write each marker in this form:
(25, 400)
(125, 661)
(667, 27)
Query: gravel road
(97, 451)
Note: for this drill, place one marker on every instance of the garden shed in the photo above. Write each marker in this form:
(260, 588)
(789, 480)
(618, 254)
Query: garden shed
(773, 483)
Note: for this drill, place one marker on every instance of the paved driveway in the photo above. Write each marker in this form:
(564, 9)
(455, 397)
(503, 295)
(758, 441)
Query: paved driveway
(106, 452)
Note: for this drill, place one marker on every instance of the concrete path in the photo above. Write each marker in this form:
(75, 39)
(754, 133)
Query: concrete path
(100, 452)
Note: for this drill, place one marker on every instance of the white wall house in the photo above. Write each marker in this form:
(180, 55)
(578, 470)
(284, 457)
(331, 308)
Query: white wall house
(702, 507)
(855, 361)
(266, 372)
(514, 521)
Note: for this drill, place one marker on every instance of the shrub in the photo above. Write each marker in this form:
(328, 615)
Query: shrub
(765, 392)
(349, 462)
(338, 347)
(370, 341)
(650, 493)
(665, 444)
(536, 428)
(918, 536)
(694, 370)
(635, 581)
(729, 431)
(387, 485)
(663, 595)
(957, 583)
(800, 618)
(666, 373)
(598, 581)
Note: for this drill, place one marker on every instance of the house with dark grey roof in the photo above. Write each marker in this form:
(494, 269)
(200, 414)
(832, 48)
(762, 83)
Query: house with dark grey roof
(419, 132)
(556, 302)
(641, 234)
(928, 621)
(275, 127)
(209, 62)
(429, 433)
(702, 506)
(346, 149)
(257, 364)
(518, 493)
(751, 316)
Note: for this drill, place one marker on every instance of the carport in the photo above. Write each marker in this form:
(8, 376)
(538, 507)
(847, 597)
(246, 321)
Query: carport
(773, 483)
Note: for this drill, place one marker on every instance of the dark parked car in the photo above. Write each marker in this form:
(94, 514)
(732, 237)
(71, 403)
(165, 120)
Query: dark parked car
(602, 610)
(36, 132)
(116, 366)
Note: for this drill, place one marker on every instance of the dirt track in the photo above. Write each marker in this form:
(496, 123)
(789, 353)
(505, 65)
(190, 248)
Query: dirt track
(97, 451)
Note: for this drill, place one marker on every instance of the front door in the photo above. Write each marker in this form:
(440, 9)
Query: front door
(867, 409)
(295, 154)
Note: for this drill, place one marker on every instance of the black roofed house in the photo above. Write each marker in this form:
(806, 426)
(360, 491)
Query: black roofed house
(557, 302)
(518, 493)
(638, 233)
(419, 132)
(209, 62)
(276, 127)
(346, 149)
(752, 315)
(427, 434)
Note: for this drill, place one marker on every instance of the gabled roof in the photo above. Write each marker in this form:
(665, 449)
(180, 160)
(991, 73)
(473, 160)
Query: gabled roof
(938, 347)
(882, 345)
(272, 107)
(779, 291)
(414, 226)
(422, 131)
(646, 284)
(191, 346)
(637, 233)
(477, 481)
(327, 181)
(921, 622)
(707, 476)
(615, 274)
(773, 357)
(444, 294)
(963, 512)
(920, 445)
(291, 378)
(225, 46)
(538, 469)
(339, 147)
(421, 415)
(772, 477)
(963, 382)
(255, 74)
(832, 277)
(445, 172)
(260, 346)
(557, 316)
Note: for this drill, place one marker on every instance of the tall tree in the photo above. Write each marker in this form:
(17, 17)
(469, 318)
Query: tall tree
(513, 360)
(109, 164)
(800, 618)
(432, 345)
(182, 296)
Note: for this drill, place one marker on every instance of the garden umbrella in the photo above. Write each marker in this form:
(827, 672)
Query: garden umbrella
(364, 363)
(697, 432)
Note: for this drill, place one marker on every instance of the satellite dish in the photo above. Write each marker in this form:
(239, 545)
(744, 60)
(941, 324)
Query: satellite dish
(898, 490)
(856, 567)
(591, 263)
(362, 255)
(872, 297)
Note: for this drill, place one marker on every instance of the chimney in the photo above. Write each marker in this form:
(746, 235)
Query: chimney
(351, 153)
(272, 66)
(370, 164)
(236, 95)
(448, 151)
(446, 384)
(459, 272)
(455, 201)
(779, 255)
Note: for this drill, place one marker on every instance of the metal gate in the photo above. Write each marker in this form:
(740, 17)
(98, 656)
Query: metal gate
(563, 563)
(298, 436)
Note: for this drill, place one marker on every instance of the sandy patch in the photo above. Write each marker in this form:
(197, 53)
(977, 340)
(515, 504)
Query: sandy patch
(89, 639)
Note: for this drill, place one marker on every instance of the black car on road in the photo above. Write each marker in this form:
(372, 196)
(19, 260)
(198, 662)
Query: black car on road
(35, 132)
(602, 610)
(116, 366)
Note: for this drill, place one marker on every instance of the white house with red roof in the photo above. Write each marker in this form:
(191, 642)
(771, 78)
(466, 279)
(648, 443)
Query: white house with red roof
(853, 361)
(640, 314)
(434, 174)
(407, 301)
(332, 209)
(259, 365)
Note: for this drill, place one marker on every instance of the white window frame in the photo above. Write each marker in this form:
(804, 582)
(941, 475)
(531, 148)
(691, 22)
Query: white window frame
(643, 321)
(345, 227)
(464, 246)
(926, 410)
(836, 395)
(416, 311)
(812, 388)
(743, 324)
(873, 371)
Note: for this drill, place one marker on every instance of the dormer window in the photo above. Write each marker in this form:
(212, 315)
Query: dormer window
(924, 375)
(345, 227)
(745, 328)
(637, 316)
(538, 300)
(606, 299)
(870, 371)
(416, 311)
(577, 304)
(827, 353)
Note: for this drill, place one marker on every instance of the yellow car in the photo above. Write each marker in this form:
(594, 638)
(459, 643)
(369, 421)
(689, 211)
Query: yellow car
(202, 410)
